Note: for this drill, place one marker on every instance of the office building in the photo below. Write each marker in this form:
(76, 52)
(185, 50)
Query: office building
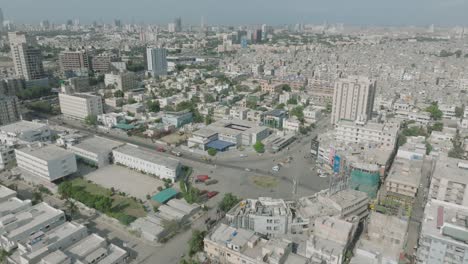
(178, 24)
(9, 110)
(385, 135)
(80, 105)
(353, 99)
(27, 57)
(96, 151)
(47, 162)
(121, 81)
(156, 59)
(101, 63)
(11, 86)
(24, 131)
(74, 63)
(147, 162)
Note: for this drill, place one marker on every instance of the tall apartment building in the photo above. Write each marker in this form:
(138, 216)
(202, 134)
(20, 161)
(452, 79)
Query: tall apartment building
(353, 98)
(27, 57)
(1, 20)
(101, 63)
(74, 61)
(156, 61)
(80, 105)
(121, 81)
(11, 86)
(357, 132)
(9, 110)
(48, 162)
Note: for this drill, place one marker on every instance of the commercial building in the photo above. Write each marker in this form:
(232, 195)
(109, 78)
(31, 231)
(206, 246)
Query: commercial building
(48, 162)
(123, 81)
(156, 59)
(9, 110)
(27, 57)
(443, 237)
(177, 119)
(74, 63)
(353, 99)
(101, 63)
(80, 105)
(356, 132)
(266, 216)
(229, 245)
(146, 161)
(228, 133)
(96, 150)
(403, 179)
(24, 131)
(274, 118)
(291, 124)
(449, 181)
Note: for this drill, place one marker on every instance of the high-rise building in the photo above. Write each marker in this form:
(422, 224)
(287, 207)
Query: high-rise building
(353, 99)
(101, 63)
(1, 20)
(27, 57)
(156, 61)
(178, 24)
(9, 110)
(73, 61)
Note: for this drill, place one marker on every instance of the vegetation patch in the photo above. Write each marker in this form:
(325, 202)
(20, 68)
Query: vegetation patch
(265, 181)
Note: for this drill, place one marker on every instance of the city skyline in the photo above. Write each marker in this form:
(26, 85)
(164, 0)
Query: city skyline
(359, 12)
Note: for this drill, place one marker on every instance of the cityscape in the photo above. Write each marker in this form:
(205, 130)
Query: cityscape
(129, 141)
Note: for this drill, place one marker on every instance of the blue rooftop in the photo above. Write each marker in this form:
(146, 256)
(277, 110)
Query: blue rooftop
(220, 145)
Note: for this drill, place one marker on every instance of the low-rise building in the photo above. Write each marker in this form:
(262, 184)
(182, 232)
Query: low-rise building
(312, 114)
(449, 182)
(80, 105)
(177, 119)
(147, 162)
(47, 162)
(123, 81)
(403, 179)
(291, 124)
(356, 132)
(96, 151)
(274, 118)
(24, 132)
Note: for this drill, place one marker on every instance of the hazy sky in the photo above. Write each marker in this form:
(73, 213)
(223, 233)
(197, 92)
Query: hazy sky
(357, 12)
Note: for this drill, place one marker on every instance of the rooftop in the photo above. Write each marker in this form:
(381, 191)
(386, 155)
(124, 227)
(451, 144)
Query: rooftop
(451, 169)
(48, 152)
(147, 156)
(97, 144)
(407, 172)
(21, 126)
(264, 206)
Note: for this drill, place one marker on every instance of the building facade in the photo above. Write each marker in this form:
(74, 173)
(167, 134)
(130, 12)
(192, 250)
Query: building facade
(27, 57)
(80, 105)
(9, 110)
(156, 61)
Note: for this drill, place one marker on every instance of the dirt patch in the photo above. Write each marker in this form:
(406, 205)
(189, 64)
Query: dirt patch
(265, 181)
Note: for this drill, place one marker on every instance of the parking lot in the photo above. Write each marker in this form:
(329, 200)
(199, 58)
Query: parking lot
(123, 179)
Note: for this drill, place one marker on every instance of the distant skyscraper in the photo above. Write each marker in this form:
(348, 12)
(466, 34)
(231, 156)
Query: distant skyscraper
(178, 24)
(353, 99)
(27, 57)
(156, 61)
(1, 20)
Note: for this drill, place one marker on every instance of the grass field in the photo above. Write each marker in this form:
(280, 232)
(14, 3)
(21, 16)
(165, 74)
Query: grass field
(265, 181)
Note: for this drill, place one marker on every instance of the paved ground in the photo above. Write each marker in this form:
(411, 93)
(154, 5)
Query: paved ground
(132, 182)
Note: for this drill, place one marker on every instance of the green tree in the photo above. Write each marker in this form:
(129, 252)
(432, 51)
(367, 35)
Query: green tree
(196, 242)
(91, 120)
(298, 112)
(72, 208)
(292, 101)
(259, 147)
(119, 93)
(459, 111)
(36, 197)
(434, 110)
(280, 106)
(228, 202)
(131, 101)
(212, 151)
(209, 98)
(153, 106)
(428, 148)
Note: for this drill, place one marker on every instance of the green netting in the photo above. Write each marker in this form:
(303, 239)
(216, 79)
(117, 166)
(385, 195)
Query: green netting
(367, 182)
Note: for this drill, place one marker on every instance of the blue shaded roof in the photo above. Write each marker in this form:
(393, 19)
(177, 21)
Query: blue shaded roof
(124, 126)
(164, 195)
(219, 144)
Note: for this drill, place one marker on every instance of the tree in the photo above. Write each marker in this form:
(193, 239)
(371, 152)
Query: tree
(153, 106)
(280, 106)
(196, 242)
(91, 120)
(212, 151)
(131, 101)
(459, 111)
(292, 101)
(228, 202)
(285, 88)
(438, 126)
(259, 147)
(434, 110)
(36, 197)
(428, 148)
(209, 98)
(72, 208)
(298, 111)
(119, 93)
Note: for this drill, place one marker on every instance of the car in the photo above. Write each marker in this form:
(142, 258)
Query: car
(202, 178)
(210, 182)
(275, 168)
(212, 194)
(243, 155)
(247, 169)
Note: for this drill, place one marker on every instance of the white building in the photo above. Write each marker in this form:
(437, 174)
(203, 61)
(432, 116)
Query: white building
(148, 162)
(80, 105)
(48, 162)
(95, 150)
(24, 131)
(312, 114)
(111, 119)
(353, 99)
(403, 178)
(357, 132)
(157, 61)
(449, 182)
(291, 124)
(448, 111)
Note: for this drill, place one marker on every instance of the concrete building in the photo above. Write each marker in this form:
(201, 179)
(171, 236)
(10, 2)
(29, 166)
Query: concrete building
(24, 131)
(229, 245)
(266, 216)
(274, 118)
(403, 179)
(12, 86)
(449, 181)
(27, 57)
(156, 61)
(96, 150)
(291, 124)
(101, 63)
(123, 81)
(7, 156)
(80, 105)
(74, 62)
(48, 162)
(312, 114)
(353, 99)
(9, 110)
(148, 162)
(443, 237)
(177, 119)
(356, 132)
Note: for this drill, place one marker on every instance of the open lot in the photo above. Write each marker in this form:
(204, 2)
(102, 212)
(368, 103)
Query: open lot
(125, 180)
(175, 138)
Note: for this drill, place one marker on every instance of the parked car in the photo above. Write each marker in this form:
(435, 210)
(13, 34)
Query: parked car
(243, 155)
(160, 149)
(202, 178)
(276, 168)
(212, 194)
(210, 182)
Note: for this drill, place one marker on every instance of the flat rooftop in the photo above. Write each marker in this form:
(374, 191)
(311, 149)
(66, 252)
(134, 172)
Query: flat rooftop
(451, 169)
(147, 156)
(48, 152)
(21, 126)
(97, 144)
(406, 172)
(264, 206)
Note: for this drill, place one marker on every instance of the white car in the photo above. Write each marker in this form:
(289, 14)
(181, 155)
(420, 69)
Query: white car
(247, 169)
(243, 155)
(276, 168)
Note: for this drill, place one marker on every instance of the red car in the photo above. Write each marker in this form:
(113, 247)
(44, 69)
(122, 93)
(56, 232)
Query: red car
(160, 149)
(212, 194)
(202, 178)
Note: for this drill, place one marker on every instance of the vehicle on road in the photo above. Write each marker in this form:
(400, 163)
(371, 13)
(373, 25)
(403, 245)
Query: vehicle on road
(176, 153)
(243, 155)
(201, 178)
(247, 169)
(212, 194)
(210, 182)
(275, 168)
(160, 149)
